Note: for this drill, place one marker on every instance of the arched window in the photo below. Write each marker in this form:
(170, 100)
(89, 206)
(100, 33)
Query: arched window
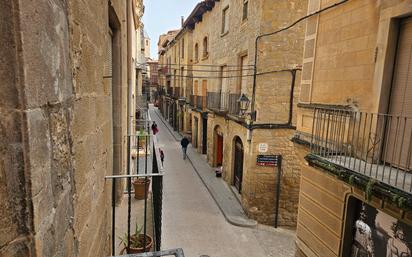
(196, 52)
(205, 47)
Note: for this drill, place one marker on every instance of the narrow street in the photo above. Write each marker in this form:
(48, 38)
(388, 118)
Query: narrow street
(192, 220)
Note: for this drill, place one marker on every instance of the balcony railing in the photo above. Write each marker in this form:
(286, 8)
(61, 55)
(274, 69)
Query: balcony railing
(200, 102)
(192, 100)
(218, 101)
(176, 92)
(169, 91)
(378, 146)
(233, 104)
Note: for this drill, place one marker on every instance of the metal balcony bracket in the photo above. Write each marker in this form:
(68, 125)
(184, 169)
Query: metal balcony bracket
(173, 252)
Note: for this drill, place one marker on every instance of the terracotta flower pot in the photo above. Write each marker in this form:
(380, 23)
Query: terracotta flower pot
(140, 186)
(131, 250)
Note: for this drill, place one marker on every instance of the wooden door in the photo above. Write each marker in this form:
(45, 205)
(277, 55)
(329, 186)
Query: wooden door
(195, 132)
(219, 149)
(204, 135)
(238, 165)
(204, 93)
(399, 129)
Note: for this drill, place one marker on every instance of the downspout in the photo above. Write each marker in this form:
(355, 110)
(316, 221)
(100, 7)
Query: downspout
(129, 120)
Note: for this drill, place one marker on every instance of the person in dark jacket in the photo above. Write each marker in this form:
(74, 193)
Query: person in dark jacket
(184, 143)
(154, 128)
(162, 156)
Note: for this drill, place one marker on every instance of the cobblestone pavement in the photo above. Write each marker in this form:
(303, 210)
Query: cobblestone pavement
(192, 220)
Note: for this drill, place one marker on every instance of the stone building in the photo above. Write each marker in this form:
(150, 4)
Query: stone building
(175, 57)
(66, 71)
(354, 130)
(222, 38)
(153, 73)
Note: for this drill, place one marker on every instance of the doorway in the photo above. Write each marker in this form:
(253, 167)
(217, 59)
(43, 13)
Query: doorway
(218, 146)
(238, 164)
(399, 129)
(204, 135)
(195, 132)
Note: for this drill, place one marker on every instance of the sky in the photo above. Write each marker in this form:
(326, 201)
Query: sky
(163, 15)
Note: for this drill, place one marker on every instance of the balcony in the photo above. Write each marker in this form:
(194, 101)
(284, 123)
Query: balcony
(217, 101)
(233, 104)
(200, 102)
(192, 100)
(364, 148)
(145, 173)
(169, 91)
(176, 92)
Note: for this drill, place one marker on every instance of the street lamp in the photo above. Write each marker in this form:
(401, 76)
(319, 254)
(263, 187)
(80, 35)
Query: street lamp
(244, 103)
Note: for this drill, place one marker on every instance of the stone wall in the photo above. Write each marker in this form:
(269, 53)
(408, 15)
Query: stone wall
(56, 134)
(16, 230)
(260, 200)
(260, 183)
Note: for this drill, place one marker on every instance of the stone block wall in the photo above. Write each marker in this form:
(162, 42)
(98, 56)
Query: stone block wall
(16, 237)
(56, 134)
(260, 200)
(259, 183)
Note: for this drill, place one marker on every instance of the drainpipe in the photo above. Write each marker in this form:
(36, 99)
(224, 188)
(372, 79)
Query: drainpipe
(129, 105)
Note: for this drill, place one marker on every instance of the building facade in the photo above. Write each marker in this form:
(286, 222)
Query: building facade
(353, 130)
(65, 107)
(222, 65)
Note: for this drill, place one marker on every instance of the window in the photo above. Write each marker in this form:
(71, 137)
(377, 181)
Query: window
(183, 48)
(205, 50)
(225, 20)
(243, 74)
(181, 77)
(245, 9)
(196, 52)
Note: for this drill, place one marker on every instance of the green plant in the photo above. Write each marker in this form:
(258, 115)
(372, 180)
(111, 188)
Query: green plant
(401, 202)
(395, 198)
(369, 189)
(135, 240)
(351, 180)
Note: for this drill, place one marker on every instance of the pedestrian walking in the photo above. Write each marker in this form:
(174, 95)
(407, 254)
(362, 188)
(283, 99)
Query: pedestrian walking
(154, 128)
(184, 143)
(162, 156)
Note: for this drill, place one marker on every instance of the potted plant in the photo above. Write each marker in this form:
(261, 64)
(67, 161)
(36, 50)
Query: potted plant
(136, 242)
(141, 187)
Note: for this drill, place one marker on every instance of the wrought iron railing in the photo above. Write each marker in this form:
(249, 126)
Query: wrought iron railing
(176, 92)
(200, 102)
(218, 101)
(376, 145)
(169, 91)
(173, 252)
(139, 147)
(233, 104)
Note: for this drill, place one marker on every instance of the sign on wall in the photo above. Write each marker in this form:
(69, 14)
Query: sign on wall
(263, 147)
(268, 160)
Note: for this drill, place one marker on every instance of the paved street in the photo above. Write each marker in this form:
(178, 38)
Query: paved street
(192, 220)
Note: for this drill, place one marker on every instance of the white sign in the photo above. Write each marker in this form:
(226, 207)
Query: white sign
(263, 147)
